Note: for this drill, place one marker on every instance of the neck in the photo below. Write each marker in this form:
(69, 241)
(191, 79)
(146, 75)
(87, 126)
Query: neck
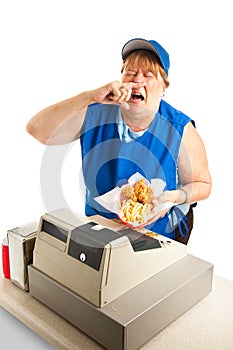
(138, 122)
(138, 118)
(134, 127)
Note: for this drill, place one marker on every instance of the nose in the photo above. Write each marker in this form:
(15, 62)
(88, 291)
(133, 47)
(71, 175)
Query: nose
(139, 78)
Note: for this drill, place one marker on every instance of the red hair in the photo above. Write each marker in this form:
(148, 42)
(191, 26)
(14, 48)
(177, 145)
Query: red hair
(148, 61)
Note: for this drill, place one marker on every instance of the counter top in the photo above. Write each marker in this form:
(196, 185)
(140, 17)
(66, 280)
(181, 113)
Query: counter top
(207, 325)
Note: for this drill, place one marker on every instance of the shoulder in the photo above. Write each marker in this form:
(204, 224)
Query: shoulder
(104, 108)
(191, 137)
(99, 110)
(99, 114)
(174, 115)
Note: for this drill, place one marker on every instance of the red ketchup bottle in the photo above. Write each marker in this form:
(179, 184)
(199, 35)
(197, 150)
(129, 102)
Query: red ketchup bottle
(5, 258)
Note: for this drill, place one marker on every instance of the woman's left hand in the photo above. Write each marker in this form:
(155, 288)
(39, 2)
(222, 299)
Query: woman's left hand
(174, 196)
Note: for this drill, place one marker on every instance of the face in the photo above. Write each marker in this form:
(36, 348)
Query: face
(148, 96)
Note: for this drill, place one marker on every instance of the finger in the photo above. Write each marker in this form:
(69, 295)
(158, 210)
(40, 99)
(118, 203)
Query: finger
(119, 92)
(129, 93)
(124, 94)
(163, 213)
(161, 199)
(115, 94)
(125, 105)
(133, 85)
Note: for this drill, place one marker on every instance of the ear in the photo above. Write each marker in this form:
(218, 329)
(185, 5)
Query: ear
(163, 90)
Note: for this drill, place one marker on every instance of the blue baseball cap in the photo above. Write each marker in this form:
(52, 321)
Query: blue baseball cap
(151, 45)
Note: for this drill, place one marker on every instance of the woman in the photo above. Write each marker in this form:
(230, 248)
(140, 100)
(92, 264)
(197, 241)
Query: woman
(126, 127)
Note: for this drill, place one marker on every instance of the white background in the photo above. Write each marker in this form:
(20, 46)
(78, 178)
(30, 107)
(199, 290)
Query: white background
(53, 49)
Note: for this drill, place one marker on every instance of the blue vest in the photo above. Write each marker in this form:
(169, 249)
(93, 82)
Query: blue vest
(108, 161)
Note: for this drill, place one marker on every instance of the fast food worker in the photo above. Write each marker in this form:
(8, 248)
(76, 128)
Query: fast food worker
(125, 127)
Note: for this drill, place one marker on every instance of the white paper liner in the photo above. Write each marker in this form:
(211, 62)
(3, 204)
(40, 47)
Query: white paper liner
(111, 200)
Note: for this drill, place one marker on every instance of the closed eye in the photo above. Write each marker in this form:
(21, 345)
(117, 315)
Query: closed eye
(130, 74)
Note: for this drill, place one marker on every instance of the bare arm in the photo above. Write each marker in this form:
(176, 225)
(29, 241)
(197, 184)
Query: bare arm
(193, 166)
(61, 123)
(193, 170)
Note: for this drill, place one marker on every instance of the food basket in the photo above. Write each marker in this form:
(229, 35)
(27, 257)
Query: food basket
(132, 210)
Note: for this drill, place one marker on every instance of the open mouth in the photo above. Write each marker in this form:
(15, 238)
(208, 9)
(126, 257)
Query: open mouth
(137, 97)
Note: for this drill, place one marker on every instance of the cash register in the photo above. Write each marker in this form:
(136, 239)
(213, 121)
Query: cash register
(119, 285)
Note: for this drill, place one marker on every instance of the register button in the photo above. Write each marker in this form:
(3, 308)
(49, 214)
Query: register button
(82, 257)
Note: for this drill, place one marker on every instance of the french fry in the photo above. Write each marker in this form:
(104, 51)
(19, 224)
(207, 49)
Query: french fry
(136, 202)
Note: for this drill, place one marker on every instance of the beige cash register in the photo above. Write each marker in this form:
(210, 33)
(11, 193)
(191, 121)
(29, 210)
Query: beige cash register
(118, 285)
(97, 258)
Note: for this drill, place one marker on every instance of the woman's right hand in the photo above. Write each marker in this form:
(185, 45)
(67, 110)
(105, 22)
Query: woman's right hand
(115, 92)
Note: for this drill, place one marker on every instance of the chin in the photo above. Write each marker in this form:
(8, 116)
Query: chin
(139, 109)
